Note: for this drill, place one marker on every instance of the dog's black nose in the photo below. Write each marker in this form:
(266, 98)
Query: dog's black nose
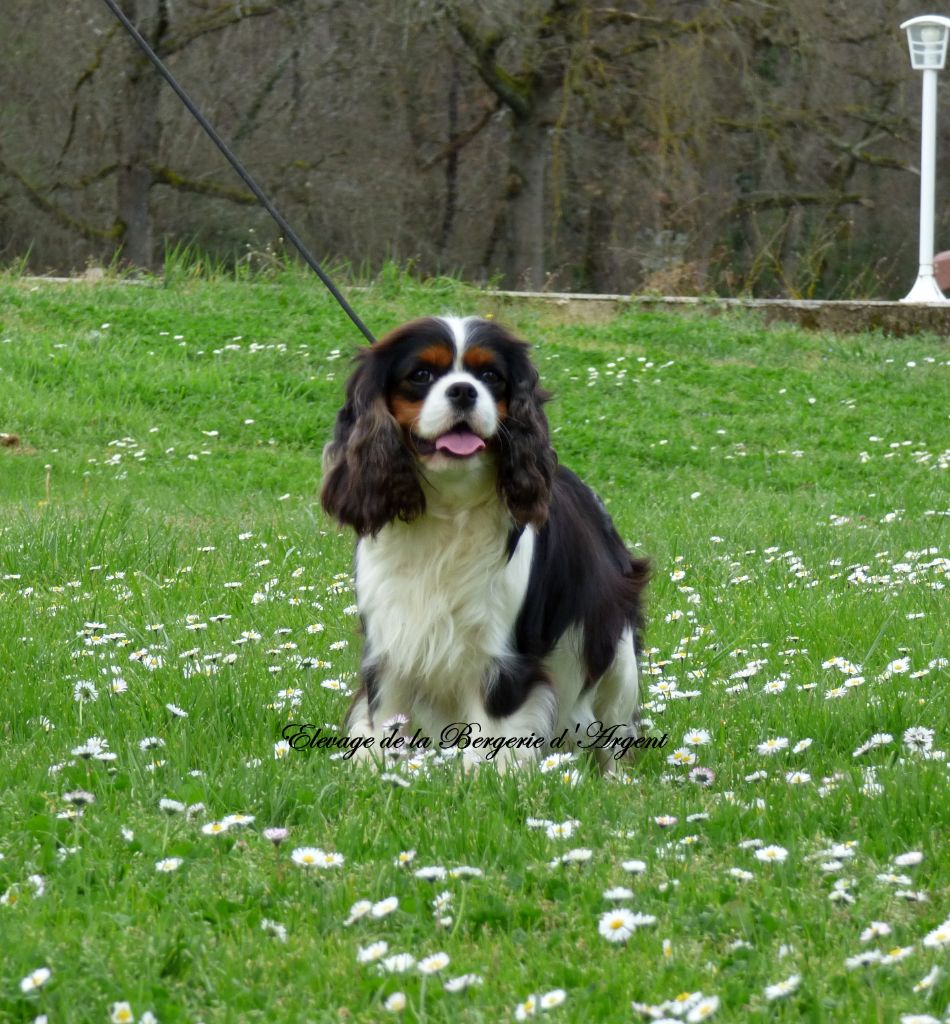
(461, 394)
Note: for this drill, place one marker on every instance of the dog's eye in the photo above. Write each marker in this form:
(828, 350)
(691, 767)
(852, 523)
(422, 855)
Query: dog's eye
(490, 377)
(421, 376)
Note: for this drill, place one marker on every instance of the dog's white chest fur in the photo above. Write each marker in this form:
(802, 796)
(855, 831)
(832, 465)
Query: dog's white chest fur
(438, 598)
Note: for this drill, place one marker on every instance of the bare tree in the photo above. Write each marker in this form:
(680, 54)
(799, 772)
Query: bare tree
(132, 157)
(138, 123)
(528, 84)
(617, 145)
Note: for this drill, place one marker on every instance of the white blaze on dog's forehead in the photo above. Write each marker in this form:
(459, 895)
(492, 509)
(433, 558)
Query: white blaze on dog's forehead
(459, 328)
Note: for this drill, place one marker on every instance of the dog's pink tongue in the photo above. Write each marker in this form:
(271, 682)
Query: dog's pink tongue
(459, 442)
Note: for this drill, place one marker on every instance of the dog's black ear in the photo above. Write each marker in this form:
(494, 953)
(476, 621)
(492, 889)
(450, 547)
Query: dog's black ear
(369, 475)
(527, 460)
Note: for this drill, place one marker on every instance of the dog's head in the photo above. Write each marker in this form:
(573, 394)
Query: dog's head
(438, 398)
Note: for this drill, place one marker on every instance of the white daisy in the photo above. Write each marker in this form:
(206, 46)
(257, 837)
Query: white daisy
(553, 998)
(555, 761)
(782, 988)
(433, 964)
(527, 1008)
(911, 896)
(359, 909)
(929, 979)
(562, 830)
(616, 925)
(706, 1007)
(433, 873)
(466, 871)
(918, 739)
(308, 856)
(909, 859)
(442, 901)
(462, 982)
(372, 952)
(876, 929)
(897, 954)
(395, 1003)
(398, 963)
(871, 956)
(36, 979)
(384, 907)
(771, 854)
(940, 936)
(274, 928)
(214, 828)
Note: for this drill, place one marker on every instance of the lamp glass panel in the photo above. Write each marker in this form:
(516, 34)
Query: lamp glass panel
(928, 46)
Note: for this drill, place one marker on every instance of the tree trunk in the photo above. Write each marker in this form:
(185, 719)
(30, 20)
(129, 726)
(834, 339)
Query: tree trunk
(528, 158)
(451, 162)
(138, 132)
(139, 138)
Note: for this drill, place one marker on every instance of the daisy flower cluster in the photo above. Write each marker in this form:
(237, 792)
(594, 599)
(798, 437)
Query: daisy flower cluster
(796, 664)
(378, 953)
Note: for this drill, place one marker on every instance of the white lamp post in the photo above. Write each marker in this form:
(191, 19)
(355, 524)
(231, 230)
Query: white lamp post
(927, 37)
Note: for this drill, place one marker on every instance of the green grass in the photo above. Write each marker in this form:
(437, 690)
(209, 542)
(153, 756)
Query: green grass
(166, 479)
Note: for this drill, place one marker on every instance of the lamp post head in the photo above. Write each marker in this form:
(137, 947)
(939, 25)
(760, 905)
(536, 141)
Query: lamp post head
(927, 37)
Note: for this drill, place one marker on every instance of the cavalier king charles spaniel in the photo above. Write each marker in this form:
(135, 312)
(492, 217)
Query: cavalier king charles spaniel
(498, 601)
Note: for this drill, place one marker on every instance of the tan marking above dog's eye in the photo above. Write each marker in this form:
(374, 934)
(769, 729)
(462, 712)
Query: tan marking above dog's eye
(436, 355)
(478, 358)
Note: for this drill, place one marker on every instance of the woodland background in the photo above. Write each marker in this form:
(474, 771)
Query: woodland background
(738, 147)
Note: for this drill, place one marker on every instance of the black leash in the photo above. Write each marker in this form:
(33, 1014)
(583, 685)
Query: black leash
(288, 231)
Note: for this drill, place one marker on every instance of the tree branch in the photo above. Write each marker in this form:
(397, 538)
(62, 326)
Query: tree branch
(222, 16)
(37, 197)
(786, 200)
(249, 121)
(84, 182)
(166, 176)
(484, 48)
(461, 140)
(86, 76)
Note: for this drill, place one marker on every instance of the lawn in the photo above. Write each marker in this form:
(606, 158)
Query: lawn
(171, 596)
